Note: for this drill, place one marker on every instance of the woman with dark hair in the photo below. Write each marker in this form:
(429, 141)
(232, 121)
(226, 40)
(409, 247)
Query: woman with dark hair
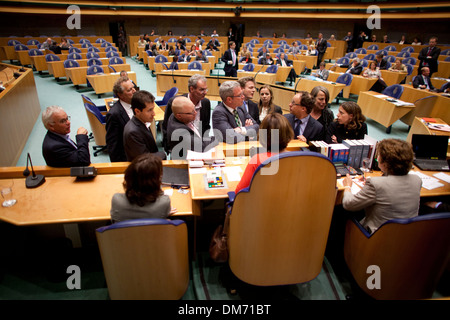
(380, 195)
(349, 124)
(320, 111)
(266, 105)
(143, 197)
(273, 123)
(174, 63)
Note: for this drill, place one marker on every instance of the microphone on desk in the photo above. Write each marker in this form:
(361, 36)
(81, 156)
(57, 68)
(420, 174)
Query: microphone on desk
(35, 180)
(258, 72)
(167, 68)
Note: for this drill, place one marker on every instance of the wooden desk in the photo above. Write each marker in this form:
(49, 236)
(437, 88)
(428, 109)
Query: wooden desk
(39, 63)
(380, 110)
(443, 70)
(392, 77)
(299, 66)
(268, 78)
(104, 82)
(359, 83)
(308, 85)
(420, 127)
(439, 82)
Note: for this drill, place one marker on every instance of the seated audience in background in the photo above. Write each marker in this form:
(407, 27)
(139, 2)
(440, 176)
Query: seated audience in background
(263, 52)
(201, 57)
(55, 48)
(233, 123)
(321, 73)
(267, 60)
(305, 127)
(321, 112)
(349, 124)
(294, 49)
(272, 122)
(403, 40)
(47, 44)
(311, 51)
(398, 66)
(182, 135)
(373, 38)
(372, 72)
(57, 148)
(143, 197)
(137, 136)
(185, 57)
(171, 51)
(381, 63)
(380, 195)
(142, 42)
(283, 61)
(385, 39)
(247, 58)
(416, 42)
(266, 105)
(423, 81)
(354, 68)
(64, 45)
(174, 63)
(248, 89)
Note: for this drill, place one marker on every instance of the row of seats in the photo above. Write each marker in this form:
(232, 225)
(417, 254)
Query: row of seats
(14, 42)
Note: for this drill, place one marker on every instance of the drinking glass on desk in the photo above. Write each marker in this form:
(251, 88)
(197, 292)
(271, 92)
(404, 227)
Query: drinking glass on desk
(365, 167)
(7, 193)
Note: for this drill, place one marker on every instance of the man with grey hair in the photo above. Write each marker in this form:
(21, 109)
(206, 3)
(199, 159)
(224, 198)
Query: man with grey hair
(58, 149)
(354, 68)
(197, 88)
(117, 117)
(234, 123)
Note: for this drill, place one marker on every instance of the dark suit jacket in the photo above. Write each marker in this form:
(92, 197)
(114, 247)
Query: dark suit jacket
(356, 70)
(419, 81)
(253, 110)
(322, 46)
(58, 152)
(138, 139)
(186, 139)
(224, 122)
(116, 119)
(205, 118)
(382, 65)
(182, 57)
(313, 130)
(287, 61)
(432, 62)
(228, 57)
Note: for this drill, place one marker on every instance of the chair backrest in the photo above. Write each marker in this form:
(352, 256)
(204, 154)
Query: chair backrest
(160, 58)
(74, 49)
(361, 51)
(268, 41)
(100, 40)
(92, 55)
(172, 92)
(74, 56)
(351, 55)
(410, 60)
(370, 56)
(285, 46)
(35, 52)
(373, 47)
(112, 54)
(423, 108)
(298, 225)
(410, 68)
(97, 122)
(390, 48)
(303, 47)
(345, 78)
(343, 60)
(115, 60)
(364, 63)
(51, 57)
(86, 45)
(110, 48)
(278, 50)
(388, 64)
(383, 52)
(32, 42)
(195, 65)
(404, 54)
(408, 49)
(13, 42)
(94, 62)
(93, 49)
(21, 47)
(145, 259)
(395, 91)
(272, 69)
(70, 63)
(249, 67)
(94, 69)
(445, 86)
(84, 40)
(172, 40)
(282, 42)
(447, 59)
(70, 41)
(105, 44)
(390, 58)
(411, 255)
(445, 52)
(254, 41)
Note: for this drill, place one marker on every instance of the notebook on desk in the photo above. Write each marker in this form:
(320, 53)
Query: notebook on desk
(430, 152)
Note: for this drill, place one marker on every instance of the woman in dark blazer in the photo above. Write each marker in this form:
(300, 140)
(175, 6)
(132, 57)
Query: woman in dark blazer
(266, 104)
(349, 124)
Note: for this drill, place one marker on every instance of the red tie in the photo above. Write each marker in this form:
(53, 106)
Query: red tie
(429, 51)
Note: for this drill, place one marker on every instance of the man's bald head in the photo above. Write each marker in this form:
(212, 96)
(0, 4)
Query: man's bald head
(183, 109)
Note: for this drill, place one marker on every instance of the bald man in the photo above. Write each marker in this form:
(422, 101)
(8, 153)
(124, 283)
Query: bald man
(182, 135)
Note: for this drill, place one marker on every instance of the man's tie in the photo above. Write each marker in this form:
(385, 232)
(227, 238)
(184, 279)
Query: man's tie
(297, 124)
(193, 128)
(71, 141)
(236, 117)
(425, 80)
(233, 57)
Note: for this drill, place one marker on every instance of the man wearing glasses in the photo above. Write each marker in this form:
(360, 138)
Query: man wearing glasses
(58, 149)
(182, 135)
(235, 124)
(198, 89)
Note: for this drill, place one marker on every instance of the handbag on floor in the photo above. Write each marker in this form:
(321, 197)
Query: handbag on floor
(218, 248)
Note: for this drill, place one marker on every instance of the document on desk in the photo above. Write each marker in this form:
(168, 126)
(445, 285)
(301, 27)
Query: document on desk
(428, 182)
(442, 176)
(233, 173)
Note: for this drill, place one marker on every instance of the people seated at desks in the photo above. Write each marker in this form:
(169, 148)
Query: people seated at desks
(385, 39)
(294, 49)
(186, 56)
(243, 52)
(249, 89)
(143, 196)
(267, 60)
(423, 81)
(321, 73)
(181, 43)
(247, 58)
(349, 124)
(285, 62)
(163, 45)
(332, 38)
(197, 88)
(266, 105)
(403, 40)
(202, 34)
(55, 48)
(372, 72)
(171, 51)
(354, 68)
(142, 42)
(263, 52)
(275, 124)
(311, 51)
(398, 66)
(381, 63)
(198, 45)
(117, 117)
(211, 47)
(274, 35)
(137, 136)
(174, 63)
(258, 34)
(416, 42)
(47, 44)
(305, 127)
(201, 57)
(124, 73)
(64, 45)
(170, 33)
(214, 34)
(379, 197)
(180, 46)
(321, 112)
(373, 38)
(182, 135)
(429, 56)
(214, 42)
(152, 47)
(233, 123)
(57, 148)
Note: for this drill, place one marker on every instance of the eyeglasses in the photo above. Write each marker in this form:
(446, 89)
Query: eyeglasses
(203, 90)
(295, 104)
(64, 121)
(238, 96)
(191, 113)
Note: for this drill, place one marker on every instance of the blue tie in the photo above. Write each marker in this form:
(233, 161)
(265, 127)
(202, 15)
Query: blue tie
(297, 124)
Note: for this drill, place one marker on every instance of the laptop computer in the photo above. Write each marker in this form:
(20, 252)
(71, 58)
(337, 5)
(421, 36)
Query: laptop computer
(430, 152)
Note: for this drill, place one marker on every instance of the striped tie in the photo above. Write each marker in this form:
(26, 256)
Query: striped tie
(236, 117)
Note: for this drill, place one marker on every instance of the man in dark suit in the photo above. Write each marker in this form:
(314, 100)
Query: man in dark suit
(321, 47)
(349, 39)
(380, 62)
(267, 60)
(233, 123)
(354, 68)
(231, 60)
(283, 61)
(305, 127)
(117, 117)
(249, 89)
(197, 88)
(428, 57)
(57, 148)
(137, 136)
(181, 132)
(423, 81)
